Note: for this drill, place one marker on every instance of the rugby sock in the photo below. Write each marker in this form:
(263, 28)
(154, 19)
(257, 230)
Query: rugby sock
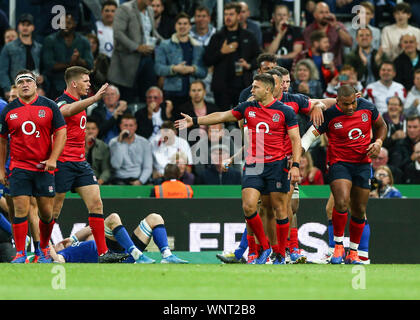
(331, 242)
(20, 230)
(96, 223)
(339, 220)
(252, 245)
(294, 242)
(355, 229)
(239, 252)
(121, 235)
(276, 248)
(255, 222)
(45, 229)
(161, 239)
(364, 242)
(282, 231)
(5, 225)
(37, 249)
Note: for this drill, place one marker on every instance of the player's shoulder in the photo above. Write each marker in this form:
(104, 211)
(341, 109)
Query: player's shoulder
(293, 96)
(362, 103)
(64, 99)
(247, 104)
(281, 106)
(47, 102)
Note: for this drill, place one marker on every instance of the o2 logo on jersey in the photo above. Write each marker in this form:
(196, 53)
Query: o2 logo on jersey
(83, 122)
(267, 127)
(32, 128)
(355, 134)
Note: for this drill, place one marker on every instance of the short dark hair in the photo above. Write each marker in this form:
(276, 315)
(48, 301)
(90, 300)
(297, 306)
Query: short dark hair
(266, 79)
(202, 8)
(274, 72)
(92, 119)
(128, 116)
(403, 6)
(168, 125)
(233, 5)
(413, 118)
(317, 36)
(109, 3)
(366, 28)
(74, 72)
(345, 91)
(200, 82)
(24, 71)
(387, 62)
(171, 172)
(266, 57)
(182, 15)
(283, 71)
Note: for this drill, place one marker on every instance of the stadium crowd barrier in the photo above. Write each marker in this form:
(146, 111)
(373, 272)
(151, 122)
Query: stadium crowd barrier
(217, 223)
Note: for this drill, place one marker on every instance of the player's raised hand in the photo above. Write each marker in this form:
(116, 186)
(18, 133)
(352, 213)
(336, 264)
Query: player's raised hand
(101, 92)
(184, 123)
(374, 149)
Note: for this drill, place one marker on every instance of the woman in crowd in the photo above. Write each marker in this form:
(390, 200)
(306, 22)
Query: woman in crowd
(307, 79)
(385, 184)
(395, 120)
(309, 174)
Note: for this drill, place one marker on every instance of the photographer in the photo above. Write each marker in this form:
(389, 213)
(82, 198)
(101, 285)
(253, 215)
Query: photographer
(382, 184)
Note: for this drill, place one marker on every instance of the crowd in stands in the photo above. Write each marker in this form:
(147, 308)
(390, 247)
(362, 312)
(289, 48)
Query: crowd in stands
(163, 58)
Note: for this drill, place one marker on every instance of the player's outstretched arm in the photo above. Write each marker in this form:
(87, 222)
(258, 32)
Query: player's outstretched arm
(71, 109)
(379, 134)
(212, 118)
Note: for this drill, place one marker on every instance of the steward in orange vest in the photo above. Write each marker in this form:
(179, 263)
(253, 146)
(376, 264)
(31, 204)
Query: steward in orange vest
(172, 188)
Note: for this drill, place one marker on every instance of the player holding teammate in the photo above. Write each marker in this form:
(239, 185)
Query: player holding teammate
(74, 172)
(348, 126)
(268, 122)
(30, 121)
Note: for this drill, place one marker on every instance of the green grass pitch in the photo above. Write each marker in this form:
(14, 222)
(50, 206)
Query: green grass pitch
(208, 281)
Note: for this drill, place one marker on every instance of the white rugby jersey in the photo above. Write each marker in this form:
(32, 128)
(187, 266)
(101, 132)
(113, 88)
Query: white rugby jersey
(378, 94)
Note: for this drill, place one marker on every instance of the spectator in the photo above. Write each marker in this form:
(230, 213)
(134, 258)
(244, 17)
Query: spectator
(319, 155)
(108, 114)
(347, 76)
(378, 91)
(248, 24)
(412, 170)
(365, 58)
(403, 153)
(151, 118)
(10, 35)
(197, 106)
(4, 25)
(391, 35)
(385, 189)
(97, 152)
(233, 52)
(407, 61)
(62, 50)
(132, 64)
(22, 53)
(365, 16)
(265, 62)
(382, 160)
(181, 160)
(131, 155)
(98, 76)
(283, 39)
(309, 174)
(337, 33)
(172, 187)
(165, 145)
(180, 61)
(307, 79)
(216, 173)
(320, 45)
(202, 30)
(395, 121)
(412, 103)
(104, 30)
(164, 23)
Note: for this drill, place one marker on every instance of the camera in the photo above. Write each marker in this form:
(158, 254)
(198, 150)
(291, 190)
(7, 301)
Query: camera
(375, 184)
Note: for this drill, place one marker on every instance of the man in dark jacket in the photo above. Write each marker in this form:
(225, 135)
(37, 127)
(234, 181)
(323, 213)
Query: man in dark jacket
(233, 52)
(407, 61)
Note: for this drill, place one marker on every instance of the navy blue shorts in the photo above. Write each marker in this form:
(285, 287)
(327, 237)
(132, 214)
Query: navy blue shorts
(358, 173)
(71, 175)
(273, 177)
(31, 183)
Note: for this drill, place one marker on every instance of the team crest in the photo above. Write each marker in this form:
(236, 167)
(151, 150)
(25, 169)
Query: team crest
(365, 117)
(276, 117)
(50, 189)
(41, 113)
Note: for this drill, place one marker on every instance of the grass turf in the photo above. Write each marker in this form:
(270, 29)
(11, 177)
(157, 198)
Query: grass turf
(208, 282)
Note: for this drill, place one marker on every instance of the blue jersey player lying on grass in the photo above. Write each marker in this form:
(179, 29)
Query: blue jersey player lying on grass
(81, 248)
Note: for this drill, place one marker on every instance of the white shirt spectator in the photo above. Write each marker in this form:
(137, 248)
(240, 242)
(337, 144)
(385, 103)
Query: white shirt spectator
(378, 94)
(105, 35)
(163, 152)
(390, 39)
(412, 103)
